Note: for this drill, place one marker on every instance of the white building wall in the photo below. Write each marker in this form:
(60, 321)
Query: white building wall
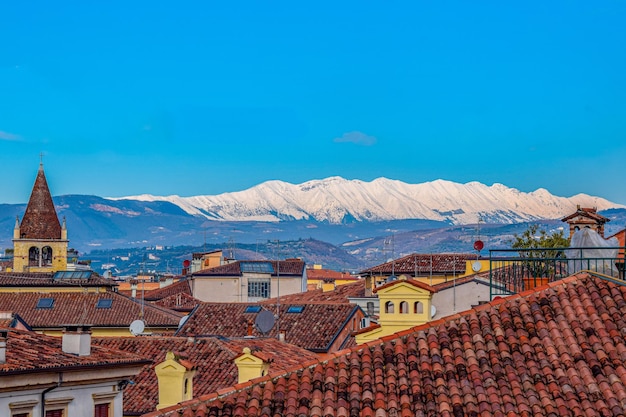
(454, 300)
(78, 399)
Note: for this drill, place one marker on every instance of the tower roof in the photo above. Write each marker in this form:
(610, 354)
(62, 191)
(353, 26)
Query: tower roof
(40, 219)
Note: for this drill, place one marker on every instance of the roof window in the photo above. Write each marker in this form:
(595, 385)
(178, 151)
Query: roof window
(252, 309)
(45, 303)
(295, 309)
(104, 303)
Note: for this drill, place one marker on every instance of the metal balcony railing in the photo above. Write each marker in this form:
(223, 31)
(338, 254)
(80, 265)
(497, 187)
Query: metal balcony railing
(515, 270)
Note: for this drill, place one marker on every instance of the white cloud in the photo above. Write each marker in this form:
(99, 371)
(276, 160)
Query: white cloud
(8, 136)
(358, 138)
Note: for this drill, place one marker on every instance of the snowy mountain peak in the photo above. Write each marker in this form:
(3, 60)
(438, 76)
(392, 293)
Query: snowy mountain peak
(338, 200)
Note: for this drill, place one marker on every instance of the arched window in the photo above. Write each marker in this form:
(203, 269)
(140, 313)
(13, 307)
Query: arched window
(370, 308)
(46, 256)
(389, 307)
(576, 228)
(418, 308)
(33, 256)
(404, 307)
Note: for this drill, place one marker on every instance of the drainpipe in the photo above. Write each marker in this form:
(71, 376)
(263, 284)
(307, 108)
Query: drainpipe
(47, 390)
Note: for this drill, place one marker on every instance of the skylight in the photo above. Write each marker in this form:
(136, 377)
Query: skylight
(252, 309)
(295, 309)
(104, 303)
(263, 267)
(72, 275)
(45, 303)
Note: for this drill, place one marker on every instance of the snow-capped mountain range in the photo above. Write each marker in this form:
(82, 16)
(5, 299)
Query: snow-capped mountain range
(336, 200)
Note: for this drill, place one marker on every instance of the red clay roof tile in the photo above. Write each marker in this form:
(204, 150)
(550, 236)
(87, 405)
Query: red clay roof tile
(212, 357)
(79, 308)
(316, 328)
(542, 354)
(32, 352)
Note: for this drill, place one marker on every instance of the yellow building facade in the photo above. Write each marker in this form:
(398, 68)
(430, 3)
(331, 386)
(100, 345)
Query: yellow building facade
(403, 304)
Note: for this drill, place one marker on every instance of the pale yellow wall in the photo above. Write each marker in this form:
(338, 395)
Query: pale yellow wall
(49, 290)
(109, 331)
(327, 286)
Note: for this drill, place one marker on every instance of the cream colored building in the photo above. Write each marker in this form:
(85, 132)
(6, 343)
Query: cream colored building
(249, 281)
(47, 376)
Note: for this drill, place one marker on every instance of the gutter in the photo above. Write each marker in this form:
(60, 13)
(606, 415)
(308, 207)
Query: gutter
(47, 390)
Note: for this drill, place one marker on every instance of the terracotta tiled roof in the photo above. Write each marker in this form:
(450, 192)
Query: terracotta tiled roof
(78, 308)
(328, 274)
(178, 302)
(286, 267)
(33, 352)
(316, 328)
(45, 279)
(340, 294)
(554, 351)
(483, 277)
(40, 220)
(180, 287)
(587, 212)
(212, 357)
(446, 263)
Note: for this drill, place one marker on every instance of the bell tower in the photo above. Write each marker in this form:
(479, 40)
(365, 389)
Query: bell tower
(40, 240)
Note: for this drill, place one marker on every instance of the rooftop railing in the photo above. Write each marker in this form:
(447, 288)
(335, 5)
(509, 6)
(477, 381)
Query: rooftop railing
(516, 270)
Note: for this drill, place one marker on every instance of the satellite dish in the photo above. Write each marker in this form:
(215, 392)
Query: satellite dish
(433, 311)
(264, 321)
(391, 278)
(476, 266)
(182, 321)
(136, 327)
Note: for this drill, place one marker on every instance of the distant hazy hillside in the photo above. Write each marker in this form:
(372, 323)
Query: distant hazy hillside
(336, 200)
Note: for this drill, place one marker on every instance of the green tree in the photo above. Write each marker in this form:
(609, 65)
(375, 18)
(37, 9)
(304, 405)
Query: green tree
(535, 238)
(540, 250)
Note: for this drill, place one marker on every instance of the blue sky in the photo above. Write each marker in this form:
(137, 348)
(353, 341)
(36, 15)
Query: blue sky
(195, 98)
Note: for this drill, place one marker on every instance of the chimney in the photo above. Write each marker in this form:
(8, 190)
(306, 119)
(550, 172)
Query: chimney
(250, 366)
(133, 289)
(77, 340)
(3, 346)
(281, 336)
(175, 376)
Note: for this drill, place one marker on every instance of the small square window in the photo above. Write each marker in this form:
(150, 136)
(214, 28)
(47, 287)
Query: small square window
(104, 303)
(45, 303)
